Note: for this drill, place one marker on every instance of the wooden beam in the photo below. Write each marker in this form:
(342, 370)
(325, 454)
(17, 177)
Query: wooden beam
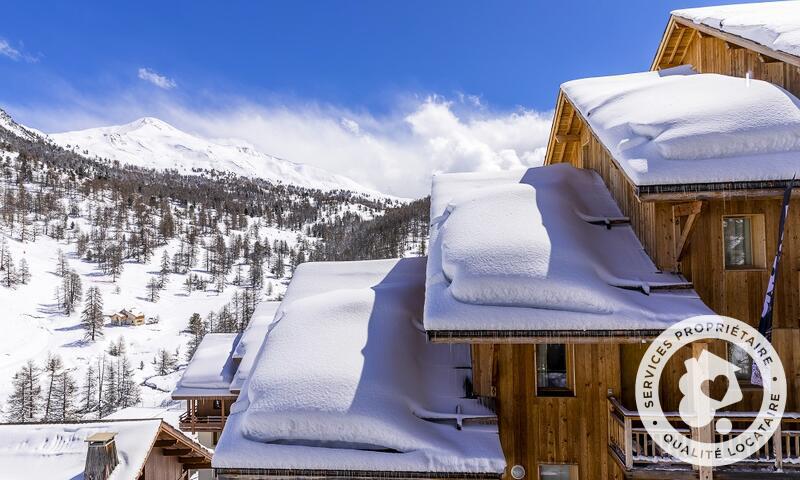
(766, 59)
(176, 452)
(732, 46)
(703, 434)
(186, 459)
(165, 443)
(566, 138)
(683, 232)
(681, 32)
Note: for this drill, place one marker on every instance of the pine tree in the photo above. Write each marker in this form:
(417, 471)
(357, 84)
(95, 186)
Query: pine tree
(89, 390)
(129, 392)
(62, 265)
(198, 330)
(165, 269)
(67, 390)
(153, 288)
(24, 272)
(71, 291)
(164, 362)
(9, 273)
(52, 370)
(92, 316)
(24, 404)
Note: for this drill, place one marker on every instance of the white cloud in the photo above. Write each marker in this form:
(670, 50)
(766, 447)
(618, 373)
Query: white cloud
(15, 54)
(156, 79)
(394, 152)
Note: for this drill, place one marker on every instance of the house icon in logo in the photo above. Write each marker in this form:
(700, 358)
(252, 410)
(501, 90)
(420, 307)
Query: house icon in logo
(698, 406)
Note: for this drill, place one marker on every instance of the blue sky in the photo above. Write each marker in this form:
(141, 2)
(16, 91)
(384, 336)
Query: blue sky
(69, 65)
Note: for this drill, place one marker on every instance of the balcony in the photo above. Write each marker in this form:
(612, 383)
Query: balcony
(632, 448)
(208, 423)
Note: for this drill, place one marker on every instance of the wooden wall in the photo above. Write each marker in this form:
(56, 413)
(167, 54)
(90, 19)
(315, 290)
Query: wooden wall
(160, 467)
(708, 54)
(571, 430)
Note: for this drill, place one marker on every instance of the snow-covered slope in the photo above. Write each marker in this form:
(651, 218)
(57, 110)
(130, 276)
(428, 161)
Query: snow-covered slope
(153, 143)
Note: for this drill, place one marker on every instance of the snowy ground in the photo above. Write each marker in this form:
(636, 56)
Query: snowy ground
(33, 325)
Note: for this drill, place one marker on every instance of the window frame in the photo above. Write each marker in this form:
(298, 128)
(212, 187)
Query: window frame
(569, 390)
(758, 243)
(574, 471)
(744, 384)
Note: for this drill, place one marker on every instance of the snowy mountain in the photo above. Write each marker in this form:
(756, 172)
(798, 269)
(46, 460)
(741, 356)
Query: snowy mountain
(166, 245)
(153, 143)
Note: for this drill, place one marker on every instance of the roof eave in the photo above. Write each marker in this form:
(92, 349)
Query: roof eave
(543, 336)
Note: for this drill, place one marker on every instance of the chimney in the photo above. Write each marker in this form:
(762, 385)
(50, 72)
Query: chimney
(101, 457)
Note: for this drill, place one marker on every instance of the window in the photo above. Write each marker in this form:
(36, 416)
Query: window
(743, 240)
(558, 472)
(739, 357)
(217, 404)
(553, 370)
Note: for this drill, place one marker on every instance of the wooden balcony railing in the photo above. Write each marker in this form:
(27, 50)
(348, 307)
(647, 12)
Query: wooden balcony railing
(633, 448)
(207, 423)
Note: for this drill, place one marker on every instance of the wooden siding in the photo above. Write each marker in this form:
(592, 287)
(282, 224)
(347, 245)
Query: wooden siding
(711, 51)
(161, 467)
(573, 430)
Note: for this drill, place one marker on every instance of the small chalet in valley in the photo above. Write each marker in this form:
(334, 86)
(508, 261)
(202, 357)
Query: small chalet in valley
(512, 350)
(142, 449)
(127, 316)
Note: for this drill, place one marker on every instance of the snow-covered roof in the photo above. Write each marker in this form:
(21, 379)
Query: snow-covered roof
(252, 338)
(48, 451)
(211, 369)
(529, 251)
(675, 127)
(775, 25)
(346, 381)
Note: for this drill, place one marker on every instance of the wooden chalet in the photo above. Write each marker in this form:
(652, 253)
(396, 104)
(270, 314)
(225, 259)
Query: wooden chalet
(589, 428)
(141, 449)
(127, 317)
(205, 386)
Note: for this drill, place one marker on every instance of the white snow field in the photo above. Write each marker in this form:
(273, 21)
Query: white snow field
(37, 451)
(153, 143)
(346, 380)
(529, 250)
(775, 25)
(33, 325)
(697, 128)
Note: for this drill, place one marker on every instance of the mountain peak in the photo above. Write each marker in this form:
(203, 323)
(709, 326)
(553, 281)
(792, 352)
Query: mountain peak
(154, 143)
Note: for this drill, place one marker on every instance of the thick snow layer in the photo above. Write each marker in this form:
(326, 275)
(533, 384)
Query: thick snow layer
(775, 25)
(58, 451)
(153, 143)
(673, 126)
(521, 251)
(347, 367)
(211, 369)
(252, 339)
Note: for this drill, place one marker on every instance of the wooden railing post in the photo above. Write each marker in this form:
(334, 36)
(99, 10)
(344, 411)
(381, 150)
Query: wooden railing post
(628, 443)
(706, 433)
(777, 448)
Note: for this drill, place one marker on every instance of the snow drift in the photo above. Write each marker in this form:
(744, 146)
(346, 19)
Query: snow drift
(675, 126)
(347, 380)
(530, 251)
(775, 25)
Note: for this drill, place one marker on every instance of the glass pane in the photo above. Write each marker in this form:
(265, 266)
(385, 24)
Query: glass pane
(738, 241)
(741, 359)
(551, 366)
(555, 472)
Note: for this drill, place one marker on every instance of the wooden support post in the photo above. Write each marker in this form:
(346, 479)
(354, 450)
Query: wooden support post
(628, 444)
(682, 232)
(777, 448)
(706, 433)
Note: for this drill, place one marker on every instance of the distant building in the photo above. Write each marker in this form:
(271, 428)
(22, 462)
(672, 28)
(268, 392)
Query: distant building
(99, 450)
(127, 316)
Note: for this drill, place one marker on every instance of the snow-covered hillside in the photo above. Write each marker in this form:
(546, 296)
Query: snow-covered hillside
(153, 143)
